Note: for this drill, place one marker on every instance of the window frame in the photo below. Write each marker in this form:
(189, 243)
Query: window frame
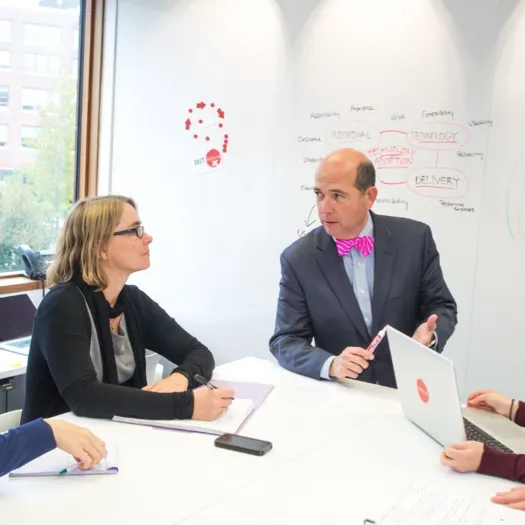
(91, 29)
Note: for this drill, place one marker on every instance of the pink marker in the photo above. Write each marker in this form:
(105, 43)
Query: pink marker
(377, 339)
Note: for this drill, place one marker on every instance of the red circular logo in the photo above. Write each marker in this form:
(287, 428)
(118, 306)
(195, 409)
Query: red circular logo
(213, 158)
(422, 390)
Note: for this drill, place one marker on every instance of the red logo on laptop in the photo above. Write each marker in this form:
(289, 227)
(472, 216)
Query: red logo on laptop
(422, 390)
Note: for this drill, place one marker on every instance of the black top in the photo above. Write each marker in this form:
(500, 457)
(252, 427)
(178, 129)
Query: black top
(60, 373)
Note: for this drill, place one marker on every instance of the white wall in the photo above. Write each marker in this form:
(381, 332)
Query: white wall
(271, 65)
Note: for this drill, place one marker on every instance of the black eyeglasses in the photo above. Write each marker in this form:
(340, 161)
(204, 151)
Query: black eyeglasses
(138, 231)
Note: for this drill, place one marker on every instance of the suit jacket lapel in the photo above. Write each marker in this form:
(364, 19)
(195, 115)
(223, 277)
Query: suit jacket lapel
(333, 268)
(384, 259)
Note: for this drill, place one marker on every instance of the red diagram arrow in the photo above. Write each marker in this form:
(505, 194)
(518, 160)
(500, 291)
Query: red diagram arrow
(221, 113)
(188, 124)
(201, 105)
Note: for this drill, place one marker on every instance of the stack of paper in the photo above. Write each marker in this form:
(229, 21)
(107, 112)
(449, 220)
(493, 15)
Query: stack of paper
(424, 505)
(227, 423)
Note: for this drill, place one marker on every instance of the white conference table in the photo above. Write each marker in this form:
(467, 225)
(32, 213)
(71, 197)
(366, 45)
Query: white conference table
(341, 453)
(12, 364)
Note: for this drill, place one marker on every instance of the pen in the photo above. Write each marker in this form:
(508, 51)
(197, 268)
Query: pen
(372, 346)
(377, 339)
(201, 380)
(68, 469)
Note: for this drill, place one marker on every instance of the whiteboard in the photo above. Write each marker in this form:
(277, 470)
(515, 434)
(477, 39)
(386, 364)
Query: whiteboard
(497, 350)
(222, 109)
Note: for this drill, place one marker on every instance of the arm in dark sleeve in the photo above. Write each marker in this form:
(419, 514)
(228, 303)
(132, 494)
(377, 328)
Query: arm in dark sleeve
(23, 444)
(435, 295)
(166, 337)
(65, 343)
(502, 464)
(291, 342)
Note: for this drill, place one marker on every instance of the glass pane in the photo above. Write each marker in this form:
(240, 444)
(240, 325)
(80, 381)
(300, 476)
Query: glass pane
(5, 59)
(38, 119)
(29, 62)
(4, 131)
(4, 96)
(41, 64)
(30, 135)
(55, 65)
(33, 99)
(74, 67)
(5, 30)
(42, 35)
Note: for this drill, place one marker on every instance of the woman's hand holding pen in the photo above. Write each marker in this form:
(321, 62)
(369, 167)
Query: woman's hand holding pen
(210, 403)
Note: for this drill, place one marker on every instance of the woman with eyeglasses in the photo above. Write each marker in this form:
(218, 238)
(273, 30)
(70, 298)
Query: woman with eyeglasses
(91, 331)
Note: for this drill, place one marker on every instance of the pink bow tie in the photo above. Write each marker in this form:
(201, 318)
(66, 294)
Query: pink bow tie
(364, 244)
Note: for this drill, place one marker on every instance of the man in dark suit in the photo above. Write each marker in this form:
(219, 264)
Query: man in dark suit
(347, 279)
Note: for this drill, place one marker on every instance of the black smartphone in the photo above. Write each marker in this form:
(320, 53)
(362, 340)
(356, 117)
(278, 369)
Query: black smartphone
(256, 447)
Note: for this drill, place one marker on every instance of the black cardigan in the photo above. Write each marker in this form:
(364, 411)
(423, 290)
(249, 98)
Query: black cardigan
(61, 377)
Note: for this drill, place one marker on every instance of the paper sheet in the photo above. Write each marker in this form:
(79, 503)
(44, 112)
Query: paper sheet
(229, 422)
(431, 506)
(53, 462)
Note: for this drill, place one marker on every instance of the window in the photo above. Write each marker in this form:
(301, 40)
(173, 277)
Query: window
(39, 118)
(33, 99)
(5, 31)
(76, 40)
(74, 67)
(5, 172)
(29, 62)
(54, 65)
(5, 59)
(4, 132)
(42, 35)
(41, 64)
(30, 136)
(4, 96)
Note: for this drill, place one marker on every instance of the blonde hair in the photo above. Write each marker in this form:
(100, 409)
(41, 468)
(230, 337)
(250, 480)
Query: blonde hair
(88, 227)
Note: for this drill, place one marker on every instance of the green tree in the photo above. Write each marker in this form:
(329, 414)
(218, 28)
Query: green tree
(34, 202)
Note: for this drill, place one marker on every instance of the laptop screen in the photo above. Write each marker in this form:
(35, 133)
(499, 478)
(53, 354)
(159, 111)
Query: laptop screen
(16, 317)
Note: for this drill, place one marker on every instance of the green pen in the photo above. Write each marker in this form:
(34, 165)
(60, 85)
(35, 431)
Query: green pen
(66, 470)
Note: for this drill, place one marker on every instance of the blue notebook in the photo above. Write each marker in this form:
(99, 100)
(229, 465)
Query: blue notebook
(60, 463)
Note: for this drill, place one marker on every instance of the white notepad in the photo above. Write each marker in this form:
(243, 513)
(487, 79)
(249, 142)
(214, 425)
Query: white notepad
(229, 422)
(55, 462)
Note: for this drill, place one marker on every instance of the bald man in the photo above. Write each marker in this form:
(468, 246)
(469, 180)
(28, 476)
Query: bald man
(354, 274)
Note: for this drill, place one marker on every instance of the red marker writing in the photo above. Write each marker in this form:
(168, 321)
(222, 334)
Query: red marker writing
(377, 339)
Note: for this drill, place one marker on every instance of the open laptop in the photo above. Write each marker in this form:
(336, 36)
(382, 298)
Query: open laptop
(16, 323)
(428, 391)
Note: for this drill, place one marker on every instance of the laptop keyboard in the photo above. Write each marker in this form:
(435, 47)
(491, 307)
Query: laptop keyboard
(474, 433)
